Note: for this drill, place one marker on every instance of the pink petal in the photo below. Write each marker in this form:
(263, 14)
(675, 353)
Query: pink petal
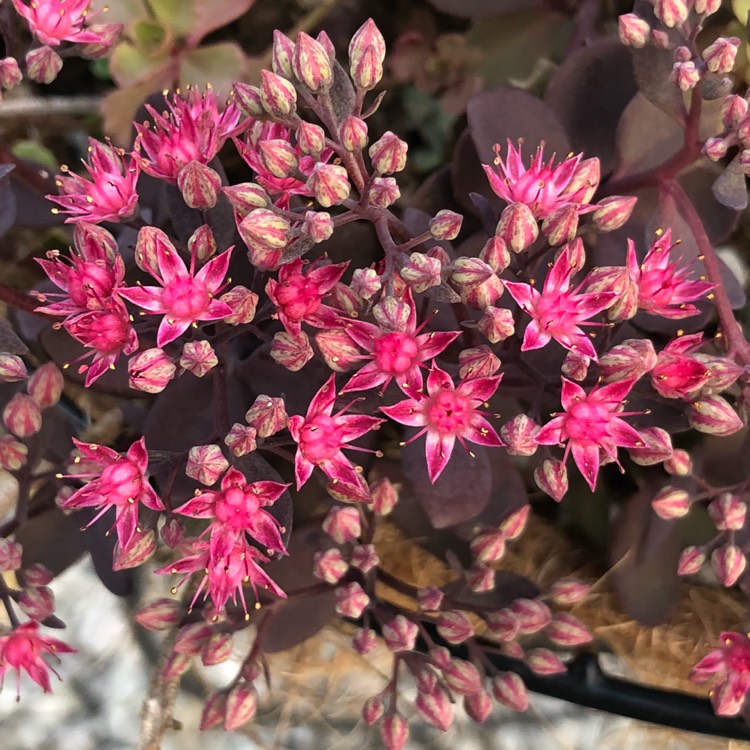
(438, 449)
(213, 273)
(147, 297)
(480, 389)
(171, 265)
(571, 394)
(497, 184)
(322, 402)
(558, 278)
(431, 344)
(552, 432)
(199, 506)
(586, 456)
(326, 277)
(370, 376)
(438, 380)
(534, 337)
(408, 412)
(481, 432)
(356, 425)
(216, 310)
(169, 330)
(126, 523)
(624, 434)
(362, 334)
(302, 469)
(523, 294)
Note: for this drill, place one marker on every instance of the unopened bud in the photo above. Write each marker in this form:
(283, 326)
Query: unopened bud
(568, 631)
(277, 156)
(267, 415)
(478, 706)
(384, 496)
(388, 153)
(421, 272)
(454, 626)
(217, 649)
(713, 415)
(10, 73)
(488, 546)
(249, 98)
(199, 184)
(729, 564)
(311, 63)
(727, 512)
(12, 368)
(568, 591)
(517, 227)
(278, 96)
(384, 192)
(532, 615)
(509, 690)
(150, 370)
(43, 64)
(45, 385)
(242, 703)
(656, 448)
(12, 454)
(22, 416)
(721, 54)
(430, 598)
(670, 503)
(243, 303)
(353, 133)
(206, 463)
(477, 362)
(364, 641)
(11, 554)
(282, 52)
(633, 31)
(445, 225)
(576, 365)
(329, 183)
(561, 225)
(400, 634)
(395, 731)
(611, 213)
(202, 243)
(372, 710)
(551, 477)
(343, 525)
(246, 196)
(241, 439)
(691, 561)
(671, 12)
(543, 661)
(330, 566)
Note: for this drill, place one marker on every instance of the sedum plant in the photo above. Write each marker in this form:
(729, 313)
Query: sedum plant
(556, 324)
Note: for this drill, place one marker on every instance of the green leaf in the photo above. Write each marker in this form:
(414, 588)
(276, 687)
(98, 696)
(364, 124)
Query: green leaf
(213, 14)
(176, 15)
(151, 37)
(34, 151)
(218, 65)
(130, 65)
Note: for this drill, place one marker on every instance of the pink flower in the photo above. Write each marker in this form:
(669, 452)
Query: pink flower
(678, 375)
(396, 351)
(557, 313)
(320, 436)
(730, 662)
(116, 481)
(108, 332)
(89, 277)
(299, 296)
(237, 509)
(664, 288)
(446, 414)
(282, 187)
(185, 296)
(110, 195)
(591, 424)
(192, 129)
(544, 188)
(23, 648)
(57, 21)
(226, 574)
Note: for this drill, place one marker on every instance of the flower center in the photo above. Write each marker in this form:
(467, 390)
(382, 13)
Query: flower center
(89, 284)
(120, 482)
(554, 312)
(298, 297)
(111, 193)
(396, 352)
(106, 332)
(587, 422)
(236, 509)
(448, 412)
(320, 439)
(185, 299)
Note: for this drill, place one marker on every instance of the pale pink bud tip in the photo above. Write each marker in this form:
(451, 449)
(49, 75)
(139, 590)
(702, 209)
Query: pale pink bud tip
(671, 502)
(400, 634)
(728, 512)
(691, 561)
(343, 524)
(206, 463)
(729, 564)
(445, 225)
(454, 626)
(509, 690)
(12, 368)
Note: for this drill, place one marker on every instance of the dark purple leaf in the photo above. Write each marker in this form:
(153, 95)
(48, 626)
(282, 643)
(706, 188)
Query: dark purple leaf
(101, 546)
(589, 92)
(451, 499)
(644, 554)
(52, 539)
(341, 93)
(508, 587)
(486, 213)
(730, 187)
(468, 177)
(652, 68)
(483, 8)
(9, 341)
(7, 199)
(33, 210)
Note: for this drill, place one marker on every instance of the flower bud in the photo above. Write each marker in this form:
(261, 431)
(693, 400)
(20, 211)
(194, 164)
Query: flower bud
(436, 708)
(551, 477)
(150, 370)
(311, 63)
(517, 227)
(367, 71)
(388, 153)
(278, 96)
(282, 52)
(721, 54)
(633, 31)
(532, 615)
(329, 183)
(509, 690)
(488, 546)
(246, 196)
(480, 579)
(513, 525)
(568, 591)
(727, 512)
(242, 703)
(733, 111)
(430, 598)
(206, 463)
(11, 554)
(384, 496)
(45, 385)
(343, 525)
(561, 225)
(365, 557)
(10, 73)
(140, 549)
(477, 362)
(12, 454)
(366, 282)
(421, 272)
(713, 415)
(311, 138)
(159, 614)
(37, 602)
(657, 447)
(243, 303)
(12, 368)
(249, 99)
(366, 37)
(353, 133)
(266, 235)
(22, 416)
(716, 147)
(463, 677)
(671, 12)
(175, 667)
(679, 464)
(568, 631)
(384, 192)
(173, 531)
(671, 502)
(241, 439)
(372, 710)
(611, 213)
(217, 649)
(685, 75)
(445, 225)
(478, 706)
(470, 272)
(400, 634)
(728, 562)
(454, 626)
(337, 349)
(351, 600)
(364, 641)
(277, 156)
(395, 731)
(576, 365)
(38, 575)
(439, 657)
(198, 357)
(43, 64)
(691, 561)
(213, 712)
(199, 184)
(202, 243)
(330, 566)
(543, 661)
(292, 351)
(267, 415)
(626, 362)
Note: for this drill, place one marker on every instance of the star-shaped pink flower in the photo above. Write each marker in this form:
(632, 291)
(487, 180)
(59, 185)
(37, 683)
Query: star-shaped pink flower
(730, 662)
(320, 436)
(559, 312)
(591, 424)
(185, 297)
(448, 413)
